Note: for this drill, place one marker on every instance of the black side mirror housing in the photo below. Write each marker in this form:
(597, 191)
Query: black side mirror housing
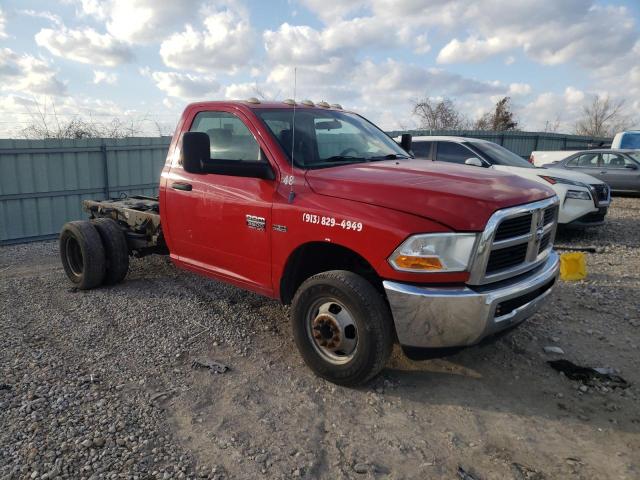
(195, 151)
(196, 158)
(631, 167)
(405, 142)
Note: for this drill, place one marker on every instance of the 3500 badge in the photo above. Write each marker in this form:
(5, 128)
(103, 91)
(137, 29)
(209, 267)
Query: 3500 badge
(332, 222)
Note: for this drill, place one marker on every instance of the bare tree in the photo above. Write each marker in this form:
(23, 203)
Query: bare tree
(46, 124)
(603, 117)
(501, 119)
(439, 114)
(552, 126)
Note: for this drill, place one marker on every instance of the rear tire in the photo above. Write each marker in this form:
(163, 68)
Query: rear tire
(115, 249)
(82, 254)
(342, 327)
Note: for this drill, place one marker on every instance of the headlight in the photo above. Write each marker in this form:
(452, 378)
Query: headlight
(578, 195)
(564, 181)
(434, 252)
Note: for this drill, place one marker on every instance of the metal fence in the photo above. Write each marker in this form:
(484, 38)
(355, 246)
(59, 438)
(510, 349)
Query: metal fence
(42, 182)
(521, 143)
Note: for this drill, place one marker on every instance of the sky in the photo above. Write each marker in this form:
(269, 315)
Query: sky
(142, 61)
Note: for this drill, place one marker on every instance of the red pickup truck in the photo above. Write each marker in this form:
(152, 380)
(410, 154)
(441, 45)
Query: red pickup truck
(317, 207)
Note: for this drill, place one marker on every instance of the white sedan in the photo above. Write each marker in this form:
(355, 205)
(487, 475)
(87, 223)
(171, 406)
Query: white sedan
(584, 199)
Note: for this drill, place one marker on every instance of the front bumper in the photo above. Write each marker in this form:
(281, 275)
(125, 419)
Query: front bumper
(449, 317)
(593, 219)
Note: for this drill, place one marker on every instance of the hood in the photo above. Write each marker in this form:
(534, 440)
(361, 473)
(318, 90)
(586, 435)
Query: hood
(457, 196)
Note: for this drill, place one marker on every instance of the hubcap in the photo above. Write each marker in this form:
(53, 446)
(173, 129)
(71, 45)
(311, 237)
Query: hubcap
(332, 331)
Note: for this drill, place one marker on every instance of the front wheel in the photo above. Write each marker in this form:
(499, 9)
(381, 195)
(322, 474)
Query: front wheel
(342, 327)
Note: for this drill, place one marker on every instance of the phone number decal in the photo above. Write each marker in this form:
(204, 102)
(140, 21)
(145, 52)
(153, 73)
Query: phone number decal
(332, 222)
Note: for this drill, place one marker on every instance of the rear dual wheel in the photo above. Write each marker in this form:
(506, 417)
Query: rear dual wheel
(94, 253)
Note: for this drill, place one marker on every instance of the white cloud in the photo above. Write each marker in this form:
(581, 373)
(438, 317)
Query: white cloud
(472, 49)
(550, 33)
(573, 95)
(28, 74)
(520, 89)
(140, 21)
(226, 44)
(3, 24)
(84, 45)
(100, 76)
(185, 86)
(53, 18)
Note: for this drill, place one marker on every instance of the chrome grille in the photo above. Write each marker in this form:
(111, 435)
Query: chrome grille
(515, 241)
(513, 227)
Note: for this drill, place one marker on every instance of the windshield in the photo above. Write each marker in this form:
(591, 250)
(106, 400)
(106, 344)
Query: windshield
(635, 156)
(329, 138)
(630, 140)
(498, 155)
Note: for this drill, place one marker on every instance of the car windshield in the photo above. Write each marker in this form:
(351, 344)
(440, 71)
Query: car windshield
(326, 138)
(498, 155)
(635, 156)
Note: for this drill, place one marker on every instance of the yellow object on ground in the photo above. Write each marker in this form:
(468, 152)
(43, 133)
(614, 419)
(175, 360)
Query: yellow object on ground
(573, 266)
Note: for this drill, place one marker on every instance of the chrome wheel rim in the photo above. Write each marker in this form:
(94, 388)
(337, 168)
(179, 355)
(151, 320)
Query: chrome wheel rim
(332, 331)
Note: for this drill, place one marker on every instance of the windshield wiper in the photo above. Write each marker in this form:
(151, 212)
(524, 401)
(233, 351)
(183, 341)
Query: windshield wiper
(391, 156)
(342, 158)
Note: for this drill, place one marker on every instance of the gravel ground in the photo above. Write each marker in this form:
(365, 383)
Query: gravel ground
(100, 384)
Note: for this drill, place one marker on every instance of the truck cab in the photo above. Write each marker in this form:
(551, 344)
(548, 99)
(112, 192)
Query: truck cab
(317, 207)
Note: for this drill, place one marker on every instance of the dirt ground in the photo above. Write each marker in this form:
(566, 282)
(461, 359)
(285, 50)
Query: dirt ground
(100, 384)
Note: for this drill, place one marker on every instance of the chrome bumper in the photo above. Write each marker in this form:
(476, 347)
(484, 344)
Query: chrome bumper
(445, 317)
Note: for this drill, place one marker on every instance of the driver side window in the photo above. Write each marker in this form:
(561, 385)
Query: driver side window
(229, 137)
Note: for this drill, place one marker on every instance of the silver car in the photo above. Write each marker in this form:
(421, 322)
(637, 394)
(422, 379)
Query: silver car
(620, 169)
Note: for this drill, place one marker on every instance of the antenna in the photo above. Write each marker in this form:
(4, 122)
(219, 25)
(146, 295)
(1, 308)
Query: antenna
(292, 194)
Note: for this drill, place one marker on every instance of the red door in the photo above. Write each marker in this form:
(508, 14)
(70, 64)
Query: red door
(221, 224)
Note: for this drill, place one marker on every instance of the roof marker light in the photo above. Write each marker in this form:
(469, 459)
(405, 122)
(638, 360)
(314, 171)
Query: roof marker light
(289, 101)
(253, 100)
(323, 104)
(336, 105)
(308, 103)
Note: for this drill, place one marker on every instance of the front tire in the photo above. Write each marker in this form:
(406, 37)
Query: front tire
(82, 254)
(342, 327)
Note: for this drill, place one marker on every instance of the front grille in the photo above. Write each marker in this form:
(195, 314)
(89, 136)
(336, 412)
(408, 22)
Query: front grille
(550, 215)
(507, 257)
(602, 191)
(517, 240)
(514, 227)
(544, 243)
(508, 306)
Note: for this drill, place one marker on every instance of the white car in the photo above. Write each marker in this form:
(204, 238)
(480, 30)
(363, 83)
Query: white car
(584, 200)
(546, 157)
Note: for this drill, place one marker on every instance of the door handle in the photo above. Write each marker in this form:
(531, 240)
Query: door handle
(603, 171)
(181, 186)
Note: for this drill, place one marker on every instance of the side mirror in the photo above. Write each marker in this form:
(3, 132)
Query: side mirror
(631, 166)
(195, 151)
(405, 142)
(473, 161)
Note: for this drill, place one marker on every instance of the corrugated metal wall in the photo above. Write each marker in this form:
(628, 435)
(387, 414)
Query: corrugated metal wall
(42, 182)
(521, 143)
